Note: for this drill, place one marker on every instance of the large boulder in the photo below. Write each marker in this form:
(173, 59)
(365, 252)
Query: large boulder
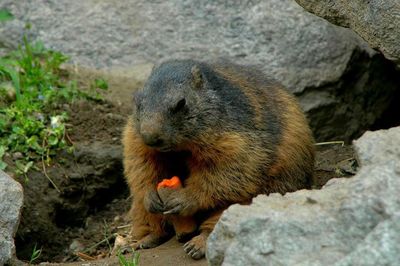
(11, 199)
(352, 221)
(377, 22)
(343, 85)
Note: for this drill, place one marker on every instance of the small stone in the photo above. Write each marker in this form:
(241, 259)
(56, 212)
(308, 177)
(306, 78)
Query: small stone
(118, 219)
(120, 244)
(17, 155)
(76, 246)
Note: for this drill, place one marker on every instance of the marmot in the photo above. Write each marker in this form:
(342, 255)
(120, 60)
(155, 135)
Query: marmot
(229, 132)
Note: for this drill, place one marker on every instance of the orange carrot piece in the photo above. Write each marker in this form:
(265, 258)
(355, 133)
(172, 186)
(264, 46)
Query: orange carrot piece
(174, 182)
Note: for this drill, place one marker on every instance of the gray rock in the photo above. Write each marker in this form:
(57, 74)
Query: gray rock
(11, 199)
(348, 222)
(377, 22)
(301, 49)
(337, 78)
(378, 147)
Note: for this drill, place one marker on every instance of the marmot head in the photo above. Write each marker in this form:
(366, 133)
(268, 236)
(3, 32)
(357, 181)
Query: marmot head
(176, 105)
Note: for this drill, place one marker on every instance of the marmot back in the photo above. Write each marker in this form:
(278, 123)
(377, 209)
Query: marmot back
(228, 131)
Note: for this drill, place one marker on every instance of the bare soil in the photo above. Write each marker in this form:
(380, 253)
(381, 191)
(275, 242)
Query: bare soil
(79, 220)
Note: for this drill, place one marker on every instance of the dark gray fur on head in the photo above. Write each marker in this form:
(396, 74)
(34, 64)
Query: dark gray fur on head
(184, 98)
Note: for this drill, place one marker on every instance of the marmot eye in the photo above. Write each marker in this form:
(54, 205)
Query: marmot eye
(179, 106)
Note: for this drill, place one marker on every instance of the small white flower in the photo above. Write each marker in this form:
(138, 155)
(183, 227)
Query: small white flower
(55, 121)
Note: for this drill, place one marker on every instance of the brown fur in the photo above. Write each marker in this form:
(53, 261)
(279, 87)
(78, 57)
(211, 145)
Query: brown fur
(184, 226)
(224, 167)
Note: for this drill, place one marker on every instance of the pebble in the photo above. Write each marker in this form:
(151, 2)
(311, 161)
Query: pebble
(17, 155)
(76, 246)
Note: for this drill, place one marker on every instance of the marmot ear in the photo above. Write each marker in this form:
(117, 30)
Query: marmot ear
(197, 77)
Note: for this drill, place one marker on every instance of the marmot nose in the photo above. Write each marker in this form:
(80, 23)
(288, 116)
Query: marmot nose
(152, 140)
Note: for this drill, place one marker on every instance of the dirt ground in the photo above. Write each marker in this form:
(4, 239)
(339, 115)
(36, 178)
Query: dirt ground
(78, 221)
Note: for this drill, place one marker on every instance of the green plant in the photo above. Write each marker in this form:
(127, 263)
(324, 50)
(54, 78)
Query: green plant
(3, 165)
(32, 91)
(35, 254)
(5, 15)
(124, 261)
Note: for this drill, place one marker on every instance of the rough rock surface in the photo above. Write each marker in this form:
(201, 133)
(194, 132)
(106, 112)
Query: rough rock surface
(352, 221)
(11, 198)
(336, 76)
(377, 22)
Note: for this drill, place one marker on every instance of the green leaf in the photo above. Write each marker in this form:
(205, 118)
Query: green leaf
(2, 151)
(14, 75)
(27, 166)
(33, 144)
(3, 165)
(5, 15)
(20, 165)
(101, 84)
(38, 47)
(53, 140)
(35, 254)
(136, 257)
(18, 130)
